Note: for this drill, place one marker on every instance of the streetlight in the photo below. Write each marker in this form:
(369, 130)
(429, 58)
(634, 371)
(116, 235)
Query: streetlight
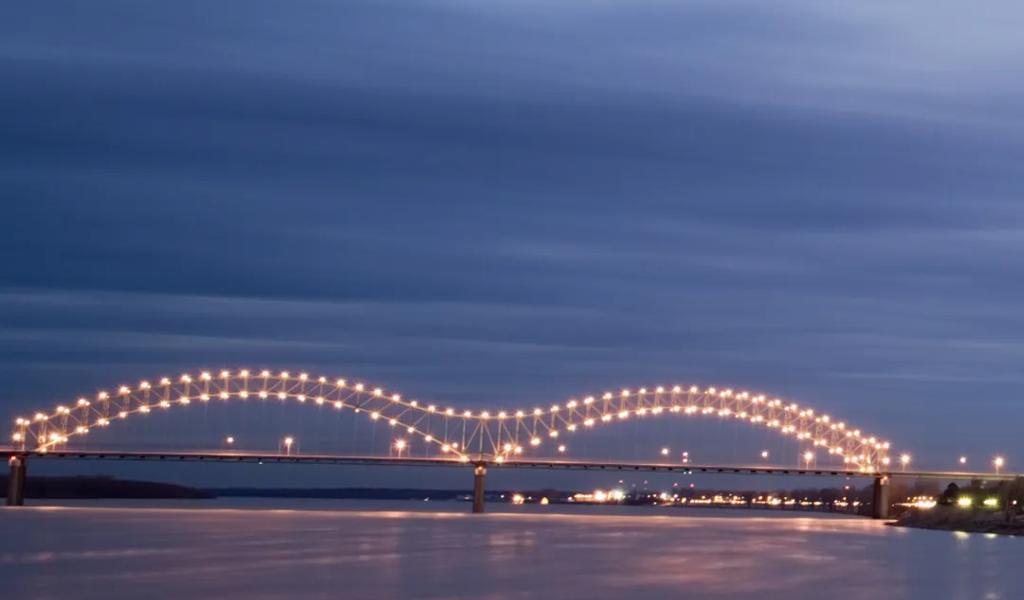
(229, 440)
(904, 461)
(561, 449)
(399, 446)
(998, 462)
(664, 451)
(963, 460)
(808, 457)
(288, 441)
(764, 454)
(686, 457)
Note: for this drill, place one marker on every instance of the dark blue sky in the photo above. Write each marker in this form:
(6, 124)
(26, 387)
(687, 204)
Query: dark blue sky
(509, 203)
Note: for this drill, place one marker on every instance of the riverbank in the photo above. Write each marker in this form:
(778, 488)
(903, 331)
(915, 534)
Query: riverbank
(956, 519)
(100, 486)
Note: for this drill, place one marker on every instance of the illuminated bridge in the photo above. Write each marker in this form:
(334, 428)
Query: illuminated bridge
(421, 433)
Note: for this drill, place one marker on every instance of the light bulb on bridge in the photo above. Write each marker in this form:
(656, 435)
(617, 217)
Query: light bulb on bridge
(904, 461)
(230, 440)
(963, 460)
(399, 446)
(764, 454)
(664, 451)
(998, 462)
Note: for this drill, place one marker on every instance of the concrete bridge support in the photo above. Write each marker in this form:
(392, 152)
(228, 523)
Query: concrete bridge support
(16, 481)
(880, 498)
(479, 473)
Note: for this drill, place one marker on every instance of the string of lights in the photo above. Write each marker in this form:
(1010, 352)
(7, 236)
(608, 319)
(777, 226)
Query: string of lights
(497, 435)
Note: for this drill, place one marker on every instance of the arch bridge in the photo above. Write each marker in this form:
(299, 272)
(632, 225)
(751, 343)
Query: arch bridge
(444, 434)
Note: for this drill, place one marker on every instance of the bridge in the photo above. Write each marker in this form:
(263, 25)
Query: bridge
(532, 438)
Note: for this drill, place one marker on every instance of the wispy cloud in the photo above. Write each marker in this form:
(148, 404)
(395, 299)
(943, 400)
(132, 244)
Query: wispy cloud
(533, 198)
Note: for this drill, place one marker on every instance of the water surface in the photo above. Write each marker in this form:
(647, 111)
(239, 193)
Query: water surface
(345, 549)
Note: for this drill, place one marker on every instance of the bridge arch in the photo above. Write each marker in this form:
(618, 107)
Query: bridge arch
(462, 434)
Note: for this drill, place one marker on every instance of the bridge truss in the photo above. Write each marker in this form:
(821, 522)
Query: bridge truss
(464, 435)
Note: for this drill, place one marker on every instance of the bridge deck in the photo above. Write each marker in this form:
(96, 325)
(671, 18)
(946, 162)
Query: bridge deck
(258, 457)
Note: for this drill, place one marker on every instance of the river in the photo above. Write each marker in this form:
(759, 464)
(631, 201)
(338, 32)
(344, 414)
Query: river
(375, 550)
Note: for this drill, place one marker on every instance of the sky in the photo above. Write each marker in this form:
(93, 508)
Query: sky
(512, 203)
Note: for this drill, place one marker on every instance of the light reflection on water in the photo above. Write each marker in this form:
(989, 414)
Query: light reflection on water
(436, 550)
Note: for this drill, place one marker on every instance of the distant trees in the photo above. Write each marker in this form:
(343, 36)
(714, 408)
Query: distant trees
(902, 489)
(1013, 499)
(1009, 494)
(949, 495)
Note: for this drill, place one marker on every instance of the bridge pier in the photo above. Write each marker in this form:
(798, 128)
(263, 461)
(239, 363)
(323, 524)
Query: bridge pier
(479, 473)
(880, 498)
(16, 481)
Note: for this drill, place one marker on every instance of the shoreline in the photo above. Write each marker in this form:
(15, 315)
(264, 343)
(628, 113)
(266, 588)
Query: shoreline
(952, 519)
(1015, 530)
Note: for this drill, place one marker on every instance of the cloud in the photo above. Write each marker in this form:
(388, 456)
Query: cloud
(524, 197)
